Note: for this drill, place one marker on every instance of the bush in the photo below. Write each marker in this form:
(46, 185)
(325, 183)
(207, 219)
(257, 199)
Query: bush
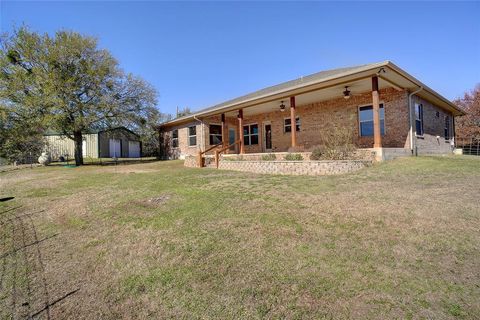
(294, 157)
(338, 143)
(269, 157)
(21, 144)
(317, 154)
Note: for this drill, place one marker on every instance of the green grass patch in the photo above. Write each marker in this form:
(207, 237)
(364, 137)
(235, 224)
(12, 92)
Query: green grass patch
(397, 240)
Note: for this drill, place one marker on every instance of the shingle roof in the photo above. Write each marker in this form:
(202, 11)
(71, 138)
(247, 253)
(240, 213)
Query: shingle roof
(300, 82)
(316, 77)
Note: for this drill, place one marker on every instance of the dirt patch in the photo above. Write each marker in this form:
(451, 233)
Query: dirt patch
(154, 202)
(127, 168)
(158, 200)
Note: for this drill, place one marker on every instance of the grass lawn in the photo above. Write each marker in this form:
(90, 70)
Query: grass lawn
(399, 240)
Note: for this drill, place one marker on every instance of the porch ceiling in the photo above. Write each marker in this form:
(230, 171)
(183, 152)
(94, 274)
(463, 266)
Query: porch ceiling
(355, 87)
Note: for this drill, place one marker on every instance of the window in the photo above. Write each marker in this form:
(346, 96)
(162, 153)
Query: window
(215, 134)
(192, 136)
(419, 119)
(287, 125)
(250, 134)
(365, 119)
(447, 128)
(175, 138)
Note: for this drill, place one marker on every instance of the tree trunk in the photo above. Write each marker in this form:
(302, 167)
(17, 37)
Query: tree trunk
(77, 138)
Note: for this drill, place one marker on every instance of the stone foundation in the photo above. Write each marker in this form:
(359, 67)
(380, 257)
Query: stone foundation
(190, 161)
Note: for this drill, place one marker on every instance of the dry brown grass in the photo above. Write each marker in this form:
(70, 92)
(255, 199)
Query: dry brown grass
(398, 240)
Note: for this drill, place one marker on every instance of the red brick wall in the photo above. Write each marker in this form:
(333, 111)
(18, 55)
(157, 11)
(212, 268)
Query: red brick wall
(433, 140)
(183, 148)
(318, 118)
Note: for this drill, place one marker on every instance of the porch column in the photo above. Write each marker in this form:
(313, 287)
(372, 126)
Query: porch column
(293, 122)
(240, 130)
(224, 131)
(377, 136)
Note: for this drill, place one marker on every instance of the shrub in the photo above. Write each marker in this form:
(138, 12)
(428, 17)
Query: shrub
(294, 157)
(269, 157)
(317, 154)
(338, 143)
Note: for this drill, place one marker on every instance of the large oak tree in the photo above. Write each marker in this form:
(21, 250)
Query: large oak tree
(69, 85)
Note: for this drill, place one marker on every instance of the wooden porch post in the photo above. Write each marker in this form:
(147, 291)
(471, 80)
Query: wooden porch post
(240, 130)
(377, 135)
(224, 131)
(293, 122)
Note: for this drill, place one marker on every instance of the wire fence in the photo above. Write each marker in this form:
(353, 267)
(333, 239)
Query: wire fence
(469, 146)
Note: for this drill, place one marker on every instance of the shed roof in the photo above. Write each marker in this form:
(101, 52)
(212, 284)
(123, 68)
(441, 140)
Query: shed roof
(50, 132)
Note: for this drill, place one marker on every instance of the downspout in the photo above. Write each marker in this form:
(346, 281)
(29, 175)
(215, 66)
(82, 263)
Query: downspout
(202, 137)
(411, 116)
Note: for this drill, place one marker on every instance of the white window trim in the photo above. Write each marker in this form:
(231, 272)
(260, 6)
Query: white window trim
(209, 134)
(299, 124)
(384, 120)
(189, 136)
(250, 134)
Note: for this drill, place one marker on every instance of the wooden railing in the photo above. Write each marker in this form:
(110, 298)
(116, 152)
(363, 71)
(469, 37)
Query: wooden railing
(219, 151)
(201, 164)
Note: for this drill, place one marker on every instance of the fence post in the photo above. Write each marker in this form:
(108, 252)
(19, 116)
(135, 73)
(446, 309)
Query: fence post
(216, 158)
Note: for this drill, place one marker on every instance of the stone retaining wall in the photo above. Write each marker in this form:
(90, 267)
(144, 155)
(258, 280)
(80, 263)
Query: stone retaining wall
(359, 154)
(311, 168)
(191, 161)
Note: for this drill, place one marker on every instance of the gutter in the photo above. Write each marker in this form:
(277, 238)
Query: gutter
(214, 110)
(202, 127)
(410, 114)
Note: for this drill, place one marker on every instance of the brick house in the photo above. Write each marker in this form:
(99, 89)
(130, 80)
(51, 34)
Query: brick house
(388, 110)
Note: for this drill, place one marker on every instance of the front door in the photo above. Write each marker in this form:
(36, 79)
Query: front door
(231, 138)
(267, 131)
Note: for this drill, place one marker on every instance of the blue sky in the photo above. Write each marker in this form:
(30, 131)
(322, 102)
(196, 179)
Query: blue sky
(200, 53)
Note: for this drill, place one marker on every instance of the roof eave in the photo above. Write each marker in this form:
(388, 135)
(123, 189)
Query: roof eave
(293, 88)
(386, 63)
(418, 83)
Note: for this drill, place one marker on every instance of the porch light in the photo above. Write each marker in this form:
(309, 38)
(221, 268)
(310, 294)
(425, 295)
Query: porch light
(282, 107)
(346, 93)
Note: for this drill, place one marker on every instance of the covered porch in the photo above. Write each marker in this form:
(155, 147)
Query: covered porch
(264, 125)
